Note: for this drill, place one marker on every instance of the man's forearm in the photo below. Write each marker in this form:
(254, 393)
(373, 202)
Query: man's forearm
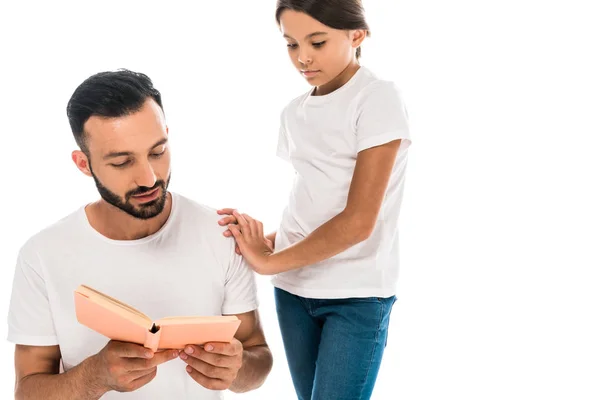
(76, 384)
(256, 366)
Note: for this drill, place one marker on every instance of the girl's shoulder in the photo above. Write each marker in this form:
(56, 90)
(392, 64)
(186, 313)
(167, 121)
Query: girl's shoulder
(373, 85)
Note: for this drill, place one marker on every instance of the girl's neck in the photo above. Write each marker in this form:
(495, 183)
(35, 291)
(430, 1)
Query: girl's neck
(338, 81)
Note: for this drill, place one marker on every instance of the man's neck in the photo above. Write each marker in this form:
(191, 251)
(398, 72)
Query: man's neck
(116, 224)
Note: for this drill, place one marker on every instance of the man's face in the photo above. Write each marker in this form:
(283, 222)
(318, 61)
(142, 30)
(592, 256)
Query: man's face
(129, 160)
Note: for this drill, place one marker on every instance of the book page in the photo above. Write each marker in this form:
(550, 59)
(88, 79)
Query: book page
(99, 297)
(185, 320)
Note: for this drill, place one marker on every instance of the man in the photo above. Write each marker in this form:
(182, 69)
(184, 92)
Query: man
(140, 243)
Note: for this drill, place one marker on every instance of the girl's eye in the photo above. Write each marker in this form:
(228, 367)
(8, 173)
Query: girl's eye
(292, 45)
(319, 44)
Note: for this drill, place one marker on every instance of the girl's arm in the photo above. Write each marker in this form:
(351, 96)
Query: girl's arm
(271, 236)
(350, 227)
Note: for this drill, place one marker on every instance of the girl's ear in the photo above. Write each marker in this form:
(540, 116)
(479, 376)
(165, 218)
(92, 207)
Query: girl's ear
(357, 36)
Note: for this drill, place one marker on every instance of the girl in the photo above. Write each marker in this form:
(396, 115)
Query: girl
(335, 254)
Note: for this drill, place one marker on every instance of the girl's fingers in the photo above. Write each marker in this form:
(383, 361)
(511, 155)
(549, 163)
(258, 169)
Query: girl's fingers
(242, 222)
(235, 231)
(251, 224)
(225, 211)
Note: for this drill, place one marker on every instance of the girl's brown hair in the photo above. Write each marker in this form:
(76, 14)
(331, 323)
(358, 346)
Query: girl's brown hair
(337, 14)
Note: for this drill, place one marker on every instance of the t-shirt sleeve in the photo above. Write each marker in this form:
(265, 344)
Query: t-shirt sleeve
(381, 117)
(29, 316)
(240, 286)
(283, 144)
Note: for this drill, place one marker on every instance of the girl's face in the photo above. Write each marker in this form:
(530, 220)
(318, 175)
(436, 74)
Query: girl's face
(318, 52)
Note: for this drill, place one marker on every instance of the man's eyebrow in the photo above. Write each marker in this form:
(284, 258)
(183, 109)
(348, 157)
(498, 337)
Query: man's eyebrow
(159, 143)
(114, 154)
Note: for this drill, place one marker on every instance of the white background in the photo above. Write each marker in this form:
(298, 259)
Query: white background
(499, 293)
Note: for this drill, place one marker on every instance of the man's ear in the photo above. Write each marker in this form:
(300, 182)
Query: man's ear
(81, 161)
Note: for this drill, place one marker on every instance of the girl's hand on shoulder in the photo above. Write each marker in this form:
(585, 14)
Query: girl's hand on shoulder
(231, 219)
(249, 236)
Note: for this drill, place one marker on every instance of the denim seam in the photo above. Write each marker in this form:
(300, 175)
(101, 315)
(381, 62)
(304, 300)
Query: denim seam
(374, 346)
(308, 306)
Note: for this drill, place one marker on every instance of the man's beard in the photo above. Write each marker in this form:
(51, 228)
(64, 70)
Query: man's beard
(144, 211)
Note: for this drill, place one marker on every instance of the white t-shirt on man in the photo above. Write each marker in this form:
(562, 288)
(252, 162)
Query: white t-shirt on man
(321, 136)
(186, 268)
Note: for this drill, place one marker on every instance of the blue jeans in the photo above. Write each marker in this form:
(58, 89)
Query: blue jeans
(333, 347)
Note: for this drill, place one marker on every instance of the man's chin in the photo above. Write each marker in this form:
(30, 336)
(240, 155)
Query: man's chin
(146, 212)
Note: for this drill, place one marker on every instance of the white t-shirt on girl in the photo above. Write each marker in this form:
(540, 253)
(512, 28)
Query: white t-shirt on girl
(321, 136)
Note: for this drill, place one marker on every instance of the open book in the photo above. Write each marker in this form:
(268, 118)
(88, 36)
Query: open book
(119, 321)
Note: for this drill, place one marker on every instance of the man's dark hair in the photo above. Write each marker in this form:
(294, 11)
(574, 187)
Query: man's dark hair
(108, 94)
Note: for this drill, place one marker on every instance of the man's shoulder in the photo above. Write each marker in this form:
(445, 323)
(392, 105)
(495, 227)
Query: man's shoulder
(202, 218)
(54, 235)
(201, 213)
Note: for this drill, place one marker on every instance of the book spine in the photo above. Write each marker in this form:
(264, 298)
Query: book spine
(152, 340)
